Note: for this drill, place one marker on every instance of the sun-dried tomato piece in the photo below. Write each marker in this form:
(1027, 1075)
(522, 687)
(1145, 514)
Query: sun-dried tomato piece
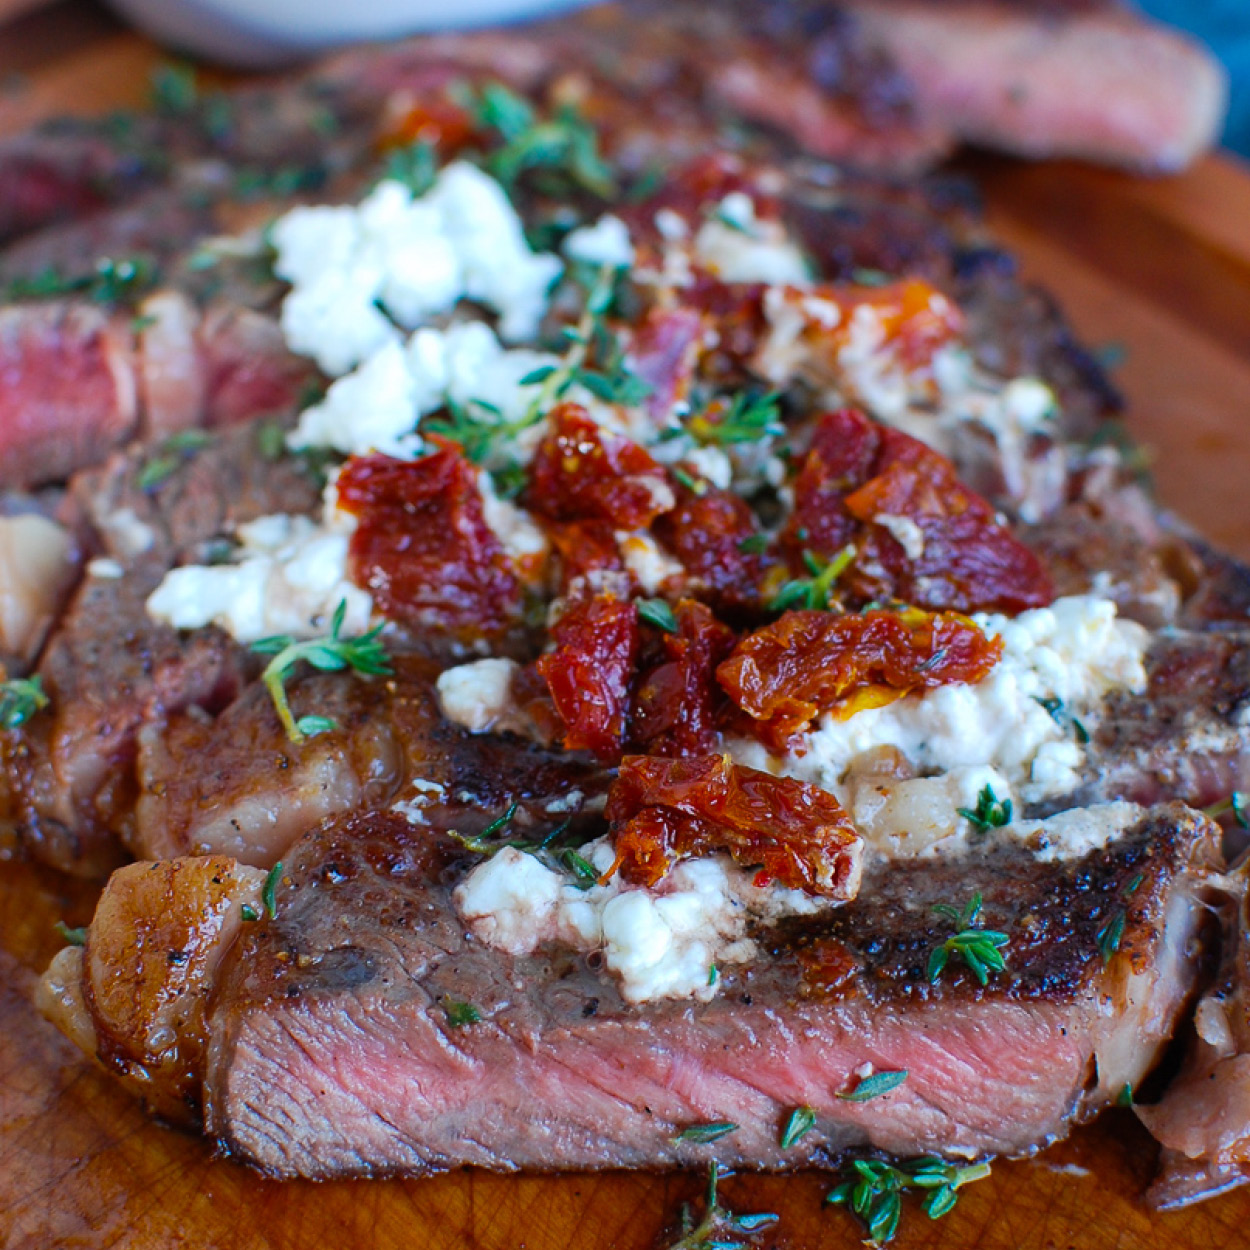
(675, 707)
(920, 535)
(591, 673)
(795, 833)
(707, 533)
(915, 317)
(432, 120)
(585, 549)
(583, 472)
(806, 663)
(422, 547)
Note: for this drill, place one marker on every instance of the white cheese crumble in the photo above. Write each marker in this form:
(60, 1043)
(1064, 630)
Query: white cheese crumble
(607, 242)
(370, 409)
(1076, 651)
(736, 246)
(357, 272)
(478, 695)
(659, 943)
(289, 576)
(519, 534)
(905, 532)
(642, 556)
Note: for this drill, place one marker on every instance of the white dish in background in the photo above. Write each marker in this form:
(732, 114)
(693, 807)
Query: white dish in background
(254, 33)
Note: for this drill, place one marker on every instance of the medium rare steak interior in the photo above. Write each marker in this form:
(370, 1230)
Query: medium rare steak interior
(608, 638)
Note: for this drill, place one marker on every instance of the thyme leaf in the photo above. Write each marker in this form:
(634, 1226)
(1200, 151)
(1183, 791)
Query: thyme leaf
(172, 453)
(328, 654)
(1111, 934)
(703, 1133)
(801, 1122)
(659, 614)
(249, 913)
(20, 699)
(989, 813)
(754, 545)
(1235, 803)
(980, 949)
(875, 1085)
(460, 1013)
(269, 891)
(75, 937)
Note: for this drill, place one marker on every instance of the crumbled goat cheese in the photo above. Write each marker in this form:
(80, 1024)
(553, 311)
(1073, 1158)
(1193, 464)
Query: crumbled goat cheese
(394, 259)
(660, 943)
(289, 577)
(736, 246)
(371, 409)
(905, 532)
(1075, 651)
(106, 568)
(605, 243)
(478, 695)
(127, 534)
(712, 463)
(424, 793)
(644, 559)
(517, 531)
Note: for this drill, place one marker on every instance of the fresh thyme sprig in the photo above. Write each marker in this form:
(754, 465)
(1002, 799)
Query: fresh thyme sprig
(980, 949)
(459, 1013)
(329, 654)
(748, 419)
(801, 1122)
(75, 937)
(20, 699)
(700, 1134)
(720, 1229)
(562, 150)
(874, 1190)
(990, 811)
(813, 592)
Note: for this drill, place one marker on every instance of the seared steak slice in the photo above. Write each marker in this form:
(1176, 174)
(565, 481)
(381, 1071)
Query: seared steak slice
(1185, 736)
(334, 1048)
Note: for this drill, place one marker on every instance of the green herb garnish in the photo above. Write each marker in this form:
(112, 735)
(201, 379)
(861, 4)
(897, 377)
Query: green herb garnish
(584, 873)
(328, 654)
(755, 545)
(748, 419)
(170, 456)
(700, 1134)
(813, 592)
(720, 1229)
(659, 614)
(415, 165)
(249, 913)
(1111, 934)
(460, 1013)
(1125, 1097)
(801, 1122)
(108, 282)
(75, 937)
(173, 89)
(20, 699)
(989, 813)
(269, 891)
(875, 1085)
(874, 1190)
(1235, 803)
(980, 949)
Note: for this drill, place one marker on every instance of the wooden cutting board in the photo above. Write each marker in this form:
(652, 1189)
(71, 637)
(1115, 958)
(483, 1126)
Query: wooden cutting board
(1156, 272)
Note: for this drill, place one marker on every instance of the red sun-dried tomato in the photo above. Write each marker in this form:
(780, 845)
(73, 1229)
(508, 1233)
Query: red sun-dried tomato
(920, 535)
(707, 533)
(590, 673)
(430, 119)
(675, 706)
(581, 472)
(583, 548)
(806, 663)
(795, 833)
(422, 547)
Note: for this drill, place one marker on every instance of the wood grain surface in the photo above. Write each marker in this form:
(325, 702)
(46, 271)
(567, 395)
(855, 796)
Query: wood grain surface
(1160, 269)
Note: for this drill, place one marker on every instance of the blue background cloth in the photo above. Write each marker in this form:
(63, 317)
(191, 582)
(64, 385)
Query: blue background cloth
(1224, 26)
